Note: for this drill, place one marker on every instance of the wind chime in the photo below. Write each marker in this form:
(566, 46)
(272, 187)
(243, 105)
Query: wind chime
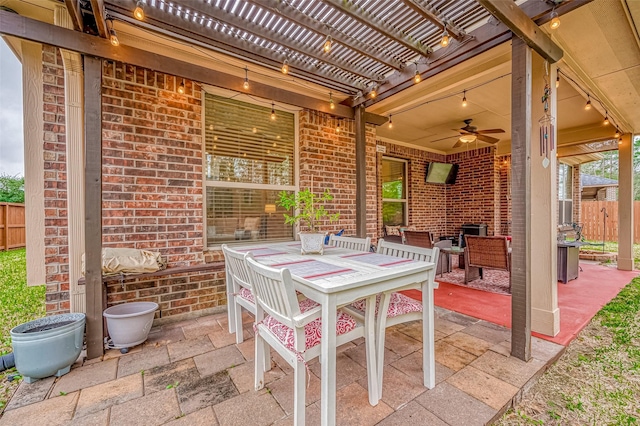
(546, 122)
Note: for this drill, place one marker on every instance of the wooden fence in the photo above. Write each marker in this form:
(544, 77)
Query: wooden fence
(12, 228)
(593, 224)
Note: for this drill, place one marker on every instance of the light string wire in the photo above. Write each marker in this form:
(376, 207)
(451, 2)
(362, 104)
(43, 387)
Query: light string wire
(593, 97)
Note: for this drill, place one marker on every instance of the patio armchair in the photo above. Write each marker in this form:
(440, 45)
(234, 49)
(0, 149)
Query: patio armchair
(400, 308)
(486, 252)
(418, 238)
(351, 243)
(242, 297)
(293, 329)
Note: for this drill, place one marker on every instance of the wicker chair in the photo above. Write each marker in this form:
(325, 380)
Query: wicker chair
(486, 252)
(418, 238)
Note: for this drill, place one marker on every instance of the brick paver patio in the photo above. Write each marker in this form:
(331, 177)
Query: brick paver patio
(193, 373)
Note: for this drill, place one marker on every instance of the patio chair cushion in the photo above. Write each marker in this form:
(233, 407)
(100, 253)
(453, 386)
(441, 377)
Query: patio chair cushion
(312, 331)
(247, 295)
(392, 230)
(399, 304)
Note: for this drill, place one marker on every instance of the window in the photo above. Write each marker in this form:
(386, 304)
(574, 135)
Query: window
(248, 160)
(565, 194)
(394, 192)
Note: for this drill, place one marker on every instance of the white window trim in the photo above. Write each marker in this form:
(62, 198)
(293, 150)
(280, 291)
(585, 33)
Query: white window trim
(406, 189)
(278, 106)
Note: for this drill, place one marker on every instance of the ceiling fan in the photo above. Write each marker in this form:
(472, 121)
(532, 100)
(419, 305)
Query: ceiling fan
(470, 133)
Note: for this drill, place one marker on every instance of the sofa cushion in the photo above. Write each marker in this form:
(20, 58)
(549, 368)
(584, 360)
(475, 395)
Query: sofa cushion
(251, 223)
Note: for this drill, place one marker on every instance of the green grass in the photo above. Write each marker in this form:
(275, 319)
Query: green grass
(18, 304)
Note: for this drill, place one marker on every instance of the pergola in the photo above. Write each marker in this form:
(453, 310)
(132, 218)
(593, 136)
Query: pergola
(366, 60)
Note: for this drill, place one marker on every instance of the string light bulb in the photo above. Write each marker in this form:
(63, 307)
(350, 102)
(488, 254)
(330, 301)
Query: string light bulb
(273, 111)
(332, 104)
(181, 87)
(587, 106)
(444, 41)
(374, 92)
(138, 12)
(464, 98)
(417, 78)
(390, 122)
(113, 36)
(326, 45)
(555, 20)
(558, 81)
(606, 118)
(617, 135)
(338, 129)
(246, 79)
(285, 67)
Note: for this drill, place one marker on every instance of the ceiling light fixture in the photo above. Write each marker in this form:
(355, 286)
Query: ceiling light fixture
(417, 78)
(468, 138)
(138, 12)
(606, 118)
(587, 106)
(390, 122)
(326, 45)
(113, 36)
(464, 98)
(555, 19)
(444, 41)
(246, 79)
(273, 111)
(181, 87)
(285, 67)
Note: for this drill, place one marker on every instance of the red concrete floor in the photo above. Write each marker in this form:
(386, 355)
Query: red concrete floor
(579, 300)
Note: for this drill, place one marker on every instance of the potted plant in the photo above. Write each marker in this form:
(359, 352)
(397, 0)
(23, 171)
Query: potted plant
(308, 211)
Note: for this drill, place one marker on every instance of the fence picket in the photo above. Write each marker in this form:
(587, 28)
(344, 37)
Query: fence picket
(593, 224)
(12, 226)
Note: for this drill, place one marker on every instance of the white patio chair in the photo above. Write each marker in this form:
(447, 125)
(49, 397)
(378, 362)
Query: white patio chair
(241, 297)
(351, 243)
(400, 308)
(293, 329)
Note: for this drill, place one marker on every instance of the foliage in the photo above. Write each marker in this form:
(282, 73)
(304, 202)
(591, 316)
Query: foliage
(11, 189)
(308, 208)
(18, 304)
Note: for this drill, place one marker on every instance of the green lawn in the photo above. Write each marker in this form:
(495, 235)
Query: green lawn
(18, 304)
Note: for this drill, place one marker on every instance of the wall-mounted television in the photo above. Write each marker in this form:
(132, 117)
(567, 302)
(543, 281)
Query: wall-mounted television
(441, 173)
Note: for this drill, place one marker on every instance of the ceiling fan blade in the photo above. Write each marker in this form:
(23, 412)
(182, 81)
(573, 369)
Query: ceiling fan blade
(457, 144)
(488, 139)
(485, 131)
(464, 132)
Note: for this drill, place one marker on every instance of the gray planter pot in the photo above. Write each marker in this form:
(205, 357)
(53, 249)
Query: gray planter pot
(47, 346)
(129, 323)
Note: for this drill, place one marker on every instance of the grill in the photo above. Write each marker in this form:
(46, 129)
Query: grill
(472, 229)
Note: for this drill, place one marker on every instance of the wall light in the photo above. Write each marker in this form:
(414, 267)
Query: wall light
(138, 12)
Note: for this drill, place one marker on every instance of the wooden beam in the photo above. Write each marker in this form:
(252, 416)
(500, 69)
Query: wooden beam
(432, 17)
(98, 14)
(93, 204)
(41, 32)
(379, 26)
(520, 24)
(286, 11)
(521, 98)
(76, 17)
(178, 23)
(361, 172)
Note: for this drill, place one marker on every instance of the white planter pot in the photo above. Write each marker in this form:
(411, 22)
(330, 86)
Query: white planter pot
(312, 242)
(129, 323)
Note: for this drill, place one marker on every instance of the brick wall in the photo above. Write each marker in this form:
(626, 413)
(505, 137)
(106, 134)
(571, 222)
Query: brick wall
(55, 183)
(329, 157)
(427, 201)
(473, 198)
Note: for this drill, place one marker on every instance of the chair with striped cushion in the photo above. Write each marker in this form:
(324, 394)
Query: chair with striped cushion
(241, 297)
(293, 328)
(351, 243)
(399, 308)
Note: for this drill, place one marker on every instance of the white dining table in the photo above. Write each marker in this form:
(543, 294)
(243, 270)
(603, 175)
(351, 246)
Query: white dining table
(339, 277)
